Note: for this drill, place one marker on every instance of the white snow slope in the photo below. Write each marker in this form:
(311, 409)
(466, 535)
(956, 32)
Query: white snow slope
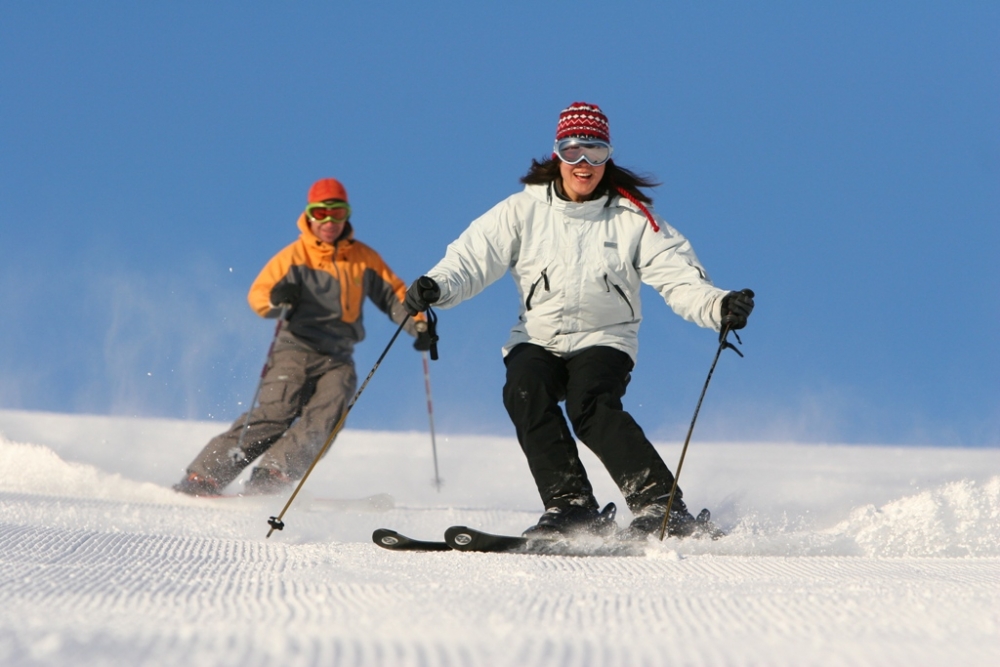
(836, 555)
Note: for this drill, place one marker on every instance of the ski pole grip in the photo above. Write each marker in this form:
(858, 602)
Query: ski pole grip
(428, 284)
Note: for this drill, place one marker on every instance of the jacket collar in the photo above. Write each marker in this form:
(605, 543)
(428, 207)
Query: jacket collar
(546, 193)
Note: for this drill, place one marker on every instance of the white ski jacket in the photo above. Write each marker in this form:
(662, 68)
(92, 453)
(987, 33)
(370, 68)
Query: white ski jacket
(578, 269)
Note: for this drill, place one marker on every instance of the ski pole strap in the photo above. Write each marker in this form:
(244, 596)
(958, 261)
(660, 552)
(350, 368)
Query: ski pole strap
(724, 342)
(432, 320)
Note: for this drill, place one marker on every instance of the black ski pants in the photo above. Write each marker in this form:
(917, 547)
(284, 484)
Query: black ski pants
(592, 383)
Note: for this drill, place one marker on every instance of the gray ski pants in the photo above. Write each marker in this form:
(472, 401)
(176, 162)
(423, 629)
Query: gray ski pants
(302, 397)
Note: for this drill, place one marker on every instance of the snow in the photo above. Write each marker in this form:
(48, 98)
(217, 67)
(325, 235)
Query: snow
(837, 555)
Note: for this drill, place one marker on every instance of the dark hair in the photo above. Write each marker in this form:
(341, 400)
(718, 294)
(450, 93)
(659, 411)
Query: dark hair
(547, 171)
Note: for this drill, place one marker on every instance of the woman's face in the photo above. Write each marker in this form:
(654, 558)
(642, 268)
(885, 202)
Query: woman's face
(580, 180)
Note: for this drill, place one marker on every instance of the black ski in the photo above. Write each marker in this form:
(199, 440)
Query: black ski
(393, 541)
(463, 538)
(622, 543)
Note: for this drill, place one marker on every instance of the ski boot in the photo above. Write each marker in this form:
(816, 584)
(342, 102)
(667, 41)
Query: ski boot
(266, 482)
(198, 485)
(649, 521)
(560, 522)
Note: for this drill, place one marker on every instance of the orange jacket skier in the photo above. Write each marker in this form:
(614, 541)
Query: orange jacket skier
(322, 279)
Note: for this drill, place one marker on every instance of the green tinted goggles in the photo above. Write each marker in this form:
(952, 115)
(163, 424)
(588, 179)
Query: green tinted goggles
(333, 212)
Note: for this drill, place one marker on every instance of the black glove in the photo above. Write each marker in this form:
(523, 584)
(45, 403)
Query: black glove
(422, 293)
(424, 339)
(286, 293)
(736, 308)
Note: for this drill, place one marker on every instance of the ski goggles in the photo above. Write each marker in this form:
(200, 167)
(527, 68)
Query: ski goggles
(335, 212)
(573, 150)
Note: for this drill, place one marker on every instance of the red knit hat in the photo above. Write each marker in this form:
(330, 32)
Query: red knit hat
(326, 188)
(581, 119)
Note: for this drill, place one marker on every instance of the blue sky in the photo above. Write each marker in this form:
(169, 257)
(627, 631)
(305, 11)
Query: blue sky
(841, 159)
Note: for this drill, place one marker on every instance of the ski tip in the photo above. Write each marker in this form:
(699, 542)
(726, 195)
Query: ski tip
(385, 537)
(393, 541)
(458, 536)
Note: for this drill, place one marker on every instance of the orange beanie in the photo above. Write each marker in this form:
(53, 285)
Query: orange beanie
(327, 188)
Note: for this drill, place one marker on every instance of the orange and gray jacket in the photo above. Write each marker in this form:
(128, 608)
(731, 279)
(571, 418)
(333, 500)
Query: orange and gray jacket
(335, 279)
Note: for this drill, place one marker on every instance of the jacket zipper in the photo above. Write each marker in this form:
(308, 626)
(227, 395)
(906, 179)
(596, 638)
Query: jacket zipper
(544, 279)
(345, 298)
(608, 285)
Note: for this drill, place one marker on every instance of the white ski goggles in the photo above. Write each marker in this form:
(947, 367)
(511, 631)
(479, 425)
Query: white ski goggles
(573, 150)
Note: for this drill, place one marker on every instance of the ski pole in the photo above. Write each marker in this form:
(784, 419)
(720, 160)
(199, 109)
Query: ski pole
(276, 522)
(263, 372)
(723, 344)
(430, 417)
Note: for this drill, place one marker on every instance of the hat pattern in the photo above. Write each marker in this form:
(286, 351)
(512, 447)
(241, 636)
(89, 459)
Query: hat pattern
(581, 119)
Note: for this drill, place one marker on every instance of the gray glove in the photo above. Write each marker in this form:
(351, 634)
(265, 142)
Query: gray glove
(286, 293)
(424, 339)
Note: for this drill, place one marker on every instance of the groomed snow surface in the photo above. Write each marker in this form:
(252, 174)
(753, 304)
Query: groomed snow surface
(836, 555)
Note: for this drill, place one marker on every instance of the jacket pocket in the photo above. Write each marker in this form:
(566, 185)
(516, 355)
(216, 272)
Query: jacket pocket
(284, 380)
(610, 284)
(542, 279)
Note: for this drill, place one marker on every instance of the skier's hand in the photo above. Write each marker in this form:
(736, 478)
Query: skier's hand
(736, 308)
(422, 293)
(424, 339)
(285, 293)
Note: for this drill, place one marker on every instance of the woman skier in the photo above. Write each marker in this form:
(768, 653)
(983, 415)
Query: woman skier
(579, 240)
